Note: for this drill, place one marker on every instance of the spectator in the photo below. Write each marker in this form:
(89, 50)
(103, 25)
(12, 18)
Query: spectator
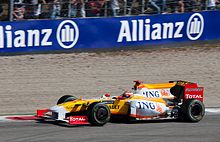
(115, 7)
(211, 5)
(50, 9)
(73, 8)
(191, 5)
(129, 6)
(177, 6)
(77, 8)
(1, 10)
(203, 4)
(96, 8)
(64, 8)
(31, 9)
(181, 6)
(56, 8)
(109, 7)
(41, 4)
(158, 6)
(93, 9)
(19, 10)
(162, 4)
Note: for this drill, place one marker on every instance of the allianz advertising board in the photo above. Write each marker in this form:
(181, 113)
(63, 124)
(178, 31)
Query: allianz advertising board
(88, 33)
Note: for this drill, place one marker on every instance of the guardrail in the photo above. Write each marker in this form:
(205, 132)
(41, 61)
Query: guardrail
(59, 9)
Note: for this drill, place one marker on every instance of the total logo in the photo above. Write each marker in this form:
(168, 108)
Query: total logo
(189, 96)
(77, 118)
(67, 35)
(145, 29)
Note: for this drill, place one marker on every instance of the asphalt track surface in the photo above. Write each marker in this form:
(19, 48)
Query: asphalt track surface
(30, 82)
(207, 130)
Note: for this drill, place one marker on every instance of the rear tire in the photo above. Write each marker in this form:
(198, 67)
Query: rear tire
(193, 110)
(66, 98)
(98, 114)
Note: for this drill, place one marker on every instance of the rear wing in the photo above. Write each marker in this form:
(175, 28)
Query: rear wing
(190, 90)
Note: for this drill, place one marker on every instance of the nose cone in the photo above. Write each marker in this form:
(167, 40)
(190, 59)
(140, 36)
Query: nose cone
(59, 112)
(56, 108)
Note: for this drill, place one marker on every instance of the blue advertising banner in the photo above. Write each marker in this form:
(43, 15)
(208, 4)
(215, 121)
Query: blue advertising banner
(89, 33)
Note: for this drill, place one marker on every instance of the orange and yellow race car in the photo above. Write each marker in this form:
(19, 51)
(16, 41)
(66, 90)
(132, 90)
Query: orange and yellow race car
(174, 100)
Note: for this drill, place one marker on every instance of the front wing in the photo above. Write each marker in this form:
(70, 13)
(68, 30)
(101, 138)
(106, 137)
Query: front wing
(46, 114)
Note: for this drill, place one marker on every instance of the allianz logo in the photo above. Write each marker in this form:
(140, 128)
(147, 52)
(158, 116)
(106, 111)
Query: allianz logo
(144, 30)
(67, 35)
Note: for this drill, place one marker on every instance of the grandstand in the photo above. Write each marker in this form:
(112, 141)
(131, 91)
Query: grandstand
(14, 10)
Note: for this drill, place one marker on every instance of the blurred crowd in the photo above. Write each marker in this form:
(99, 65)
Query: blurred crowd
(55, 9)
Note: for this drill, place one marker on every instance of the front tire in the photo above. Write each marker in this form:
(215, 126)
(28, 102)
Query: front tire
(98, 114)
(193, 110)
(66, 98)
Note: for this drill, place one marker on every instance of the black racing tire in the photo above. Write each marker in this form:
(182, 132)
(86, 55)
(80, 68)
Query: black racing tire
(193, 110)
(66, 98)
(98, 114)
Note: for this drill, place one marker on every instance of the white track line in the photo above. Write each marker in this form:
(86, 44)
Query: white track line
(212, 111)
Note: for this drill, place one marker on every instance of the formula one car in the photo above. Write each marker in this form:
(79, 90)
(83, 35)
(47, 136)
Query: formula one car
(174, 100)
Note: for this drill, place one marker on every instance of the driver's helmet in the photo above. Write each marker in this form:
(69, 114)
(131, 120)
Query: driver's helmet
(127, 94)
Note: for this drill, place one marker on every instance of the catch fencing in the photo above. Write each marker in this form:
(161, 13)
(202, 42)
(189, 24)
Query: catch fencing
(14, 10)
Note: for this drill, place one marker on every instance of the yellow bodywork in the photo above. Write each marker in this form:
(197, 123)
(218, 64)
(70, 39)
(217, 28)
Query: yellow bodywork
(117, 106)
(157, 86)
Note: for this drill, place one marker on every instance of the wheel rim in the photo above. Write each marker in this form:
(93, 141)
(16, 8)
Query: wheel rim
(102, 114)
(196, 110)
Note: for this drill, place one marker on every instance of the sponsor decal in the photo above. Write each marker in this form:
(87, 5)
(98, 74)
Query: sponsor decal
(165, 92)
(114, 106)
(151, 94)
(78, 120)
(195, 26)
(140, 30)
(108, 101)
(69, 107)
(193, 93)
(189, 96)
(67, 35)
(24, 38)
(146, 105)
(145, 30)
(159, 109)
(194, 89)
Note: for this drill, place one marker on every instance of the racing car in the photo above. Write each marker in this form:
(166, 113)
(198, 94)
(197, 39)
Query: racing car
(180, 100)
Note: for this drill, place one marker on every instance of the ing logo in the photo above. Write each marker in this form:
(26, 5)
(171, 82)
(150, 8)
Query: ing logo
(67, 34)
(195, 26)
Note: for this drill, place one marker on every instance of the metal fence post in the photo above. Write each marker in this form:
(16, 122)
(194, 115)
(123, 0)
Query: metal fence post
(69, 9)
(10, 10)
(125, 7)
(106, 9)
(142, 6)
